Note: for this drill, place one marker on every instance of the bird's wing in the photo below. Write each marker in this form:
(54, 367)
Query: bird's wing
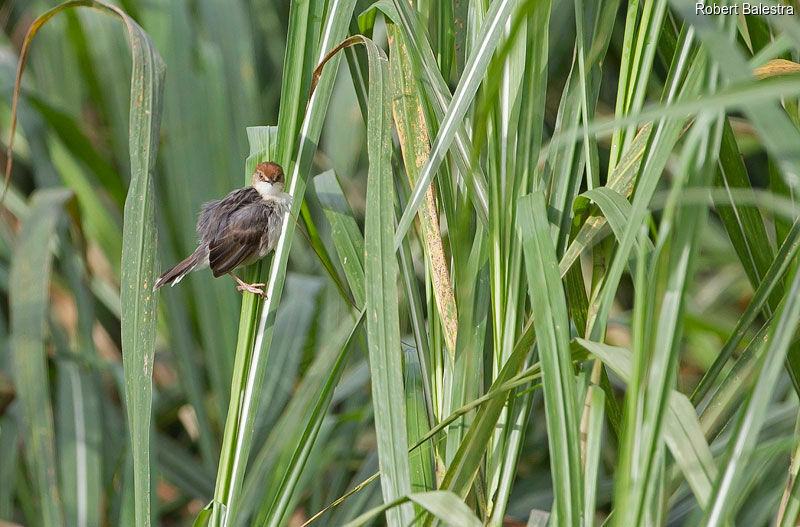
(215, 215)
(241, 240)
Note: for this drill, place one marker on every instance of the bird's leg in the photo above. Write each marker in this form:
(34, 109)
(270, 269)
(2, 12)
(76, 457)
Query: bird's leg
(250, 288)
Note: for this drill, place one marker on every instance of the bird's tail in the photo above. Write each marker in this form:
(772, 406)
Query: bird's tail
(175, 274)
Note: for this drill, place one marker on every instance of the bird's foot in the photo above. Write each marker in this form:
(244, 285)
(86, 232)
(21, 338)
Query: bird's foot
(250, 288)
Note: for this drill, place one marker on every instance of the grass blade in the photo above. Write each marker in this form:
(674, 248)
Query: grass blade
(771, 279)
(474, 71)
(744, 224)
(309, 435)
(438, 95)
(749, 424)
(255, 339)
(80, 444)
(28, 298)
(138, 246)
(552, 335)
(591, 463)
(412, 134)
(139, 256)
(380, 274)
(347, 237)
(682, 431)
(443, 504)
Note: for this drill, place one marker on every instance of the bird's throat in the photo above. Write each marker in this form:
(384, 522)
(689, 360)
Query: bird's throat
(268, 190)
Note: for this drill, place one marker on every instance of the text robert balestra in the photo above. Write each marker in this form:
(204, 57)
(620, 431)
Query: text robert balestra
(745, 8)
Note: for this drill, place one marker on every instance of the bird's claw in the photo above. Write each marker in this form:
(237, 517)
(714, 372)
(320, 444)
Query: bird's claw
(252, 288)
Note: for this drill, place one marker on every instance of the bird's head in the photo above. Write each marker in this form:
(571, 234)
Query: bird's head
(268, 178)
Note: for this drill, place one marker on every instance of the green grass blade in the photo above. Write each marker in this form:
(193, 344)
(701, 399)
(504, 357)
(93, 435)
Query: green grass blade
(191, 379)
(621, 181)
(684, 437)
(443, 504)
(100, 223)
(347, 237)
(447, 507)
(552, 335)
(594, 436)
(790, 506)
(471, 281)
(69, 132)
(733, 97)
(421, 460)
(539, 518)
(775, 128)
(80, 441)
(28, 299)
(139, 256)
(616, 210)
(658, 326)
(380, 274)
(475, 69)
(519, 412)
(293, 335)
(744, 224)
(666, 134)
(463, 467)
(771, 279)
(184, 470)
(301, 51)
(682, 431)
(269, 464)
(306, 441)
(418, 327)
(80, 437)
(724, 402)
(255, 337)
(9, 463)
(745, 432)
(138, 238)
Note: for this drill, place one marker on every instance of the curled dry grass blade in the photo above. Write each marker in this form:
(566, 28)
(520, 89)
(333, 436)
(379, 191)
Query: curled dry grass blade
(138, 238)
(412, 133)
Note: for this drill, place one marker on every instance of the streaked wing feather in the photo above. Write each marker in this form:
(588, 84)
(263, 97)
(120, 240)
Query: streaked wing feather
(242, 240)
(216, 215)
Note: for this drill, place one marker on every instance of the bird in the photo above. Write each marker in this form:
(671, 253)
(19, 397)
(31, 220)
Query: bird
(237, 230)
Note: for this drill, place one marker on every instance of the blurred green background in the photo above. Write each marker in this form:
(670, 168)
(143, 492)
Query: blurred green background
(225, 66)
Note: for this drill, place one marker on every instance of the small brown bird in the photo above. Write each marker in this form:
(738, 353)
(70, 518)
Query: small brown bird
(237, 230)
